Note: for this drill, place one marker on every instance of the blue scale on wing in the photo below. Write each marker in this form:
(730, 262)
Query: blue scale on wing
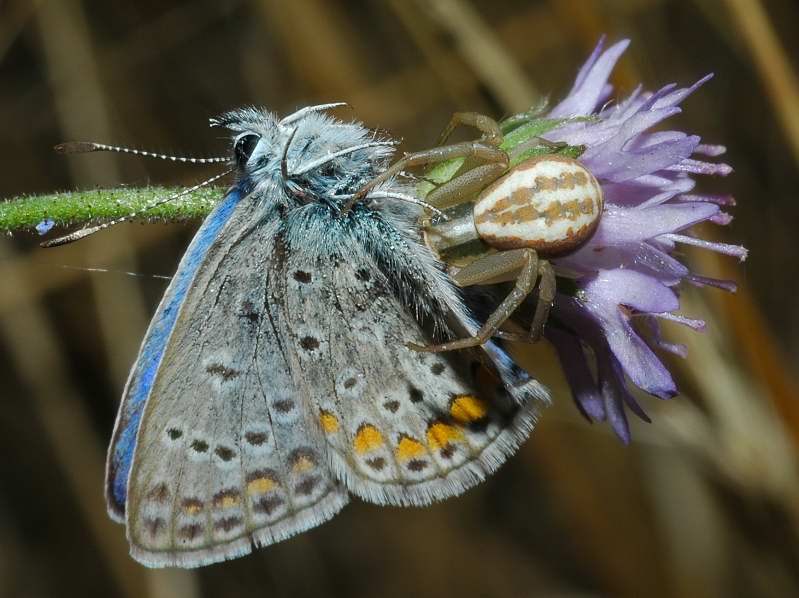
(123, 444)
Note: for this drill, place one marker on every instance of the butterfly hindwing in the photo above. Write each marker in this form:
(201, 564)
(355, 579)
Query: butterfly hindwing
(403, 427)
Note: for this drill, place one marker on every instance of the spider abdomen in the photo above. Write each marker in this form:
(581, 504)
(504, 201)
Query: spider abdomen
(549, 203)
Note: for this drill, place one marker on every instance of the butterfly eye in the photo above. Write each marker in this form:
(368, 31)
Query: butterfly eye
(244, 147)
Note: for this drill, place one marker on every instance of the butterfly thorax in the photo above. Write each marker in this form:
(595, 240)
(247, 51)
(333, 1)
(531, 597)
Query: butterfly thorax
(288, 171)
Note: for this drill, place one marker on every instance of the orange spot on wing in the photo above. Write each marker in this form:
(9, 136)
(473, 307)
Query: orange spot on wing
(329, 422)
(261, 485)
(192, 506)
(466, 409)
(302, 464)
(408, 448)
(440, 435)
(226, 499)
(368, 438)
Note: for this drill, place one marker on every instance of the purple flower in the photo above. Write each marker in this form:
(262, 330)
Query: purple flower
(626, 273)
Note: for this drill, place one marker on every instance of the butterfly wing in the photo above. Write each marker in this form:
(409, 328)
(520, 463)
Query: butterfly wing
(139, 385)
(403, 427)
(229, 453)
(286, 381)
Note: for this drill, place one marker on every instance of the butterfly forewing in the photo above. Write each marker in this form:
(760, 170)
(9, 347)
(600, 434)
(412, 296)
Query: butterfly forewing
(230, 452)
(137, 389)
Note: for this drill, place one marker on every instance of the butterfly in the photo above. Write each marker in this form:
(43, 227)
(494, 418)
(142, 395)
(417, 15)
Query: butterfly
(276, 378)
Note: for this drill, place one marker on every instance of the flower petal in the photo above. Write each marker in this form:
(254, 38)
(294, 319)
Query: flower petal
(603, 296)
(722, 200)
(620, 226)
(678, 96)
(611, 288)
(701, 167)
(733, 250)
(578, 375)
(589, 86)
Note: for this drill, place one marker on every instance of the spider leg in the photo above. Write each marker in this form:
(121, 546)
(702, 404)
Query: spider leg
(472, 177)
(467, 149)
(495, 266)
(467, 184)
(492, 134)
(546, 295)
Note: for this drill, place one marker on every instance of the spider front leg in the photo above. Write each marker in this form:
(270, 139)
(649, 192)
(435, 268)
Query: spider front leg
(493, 268)
(492, 133)
(467, 149)
(471, 178)
(491, 161)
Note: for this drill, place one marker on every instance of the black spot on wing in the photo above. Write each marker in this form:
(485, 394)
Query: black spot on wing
(222, 371)
(199, 446)
(415, 395)
(224, 453)
(309, 343)
(255, 438)
(302, 276)
(249, 313)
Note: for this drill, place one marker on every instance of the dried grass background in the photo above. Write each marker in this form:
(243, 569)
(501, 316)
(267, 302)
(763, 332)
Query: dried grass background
(705, 502)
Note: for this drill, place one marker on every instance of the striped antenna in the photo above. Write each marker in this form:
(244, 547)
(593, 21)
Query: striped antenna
(303, 112)
(85, 232)
(347, 150)
(84, 147)
(409, 199)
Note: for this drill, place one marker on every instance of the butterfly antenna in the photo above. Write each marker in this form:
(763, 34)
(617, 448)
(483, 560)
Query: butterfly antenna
(85, 232)
(347, 150)
(303, 112)
(409, 199)
(111, 271)
(284, 167)
(84, 147)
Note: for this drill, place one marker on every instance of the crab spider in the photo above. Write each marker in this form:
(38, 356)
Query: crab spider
(504, 222)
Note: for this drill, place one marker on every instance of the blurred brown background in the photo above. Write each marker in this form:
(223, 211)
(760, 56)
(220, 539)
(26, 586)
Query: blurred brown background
(705, 502)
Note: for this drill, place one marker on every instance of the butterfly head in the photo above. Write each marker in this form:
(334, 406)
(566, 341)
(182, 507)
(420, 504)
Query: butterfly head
(311, 156)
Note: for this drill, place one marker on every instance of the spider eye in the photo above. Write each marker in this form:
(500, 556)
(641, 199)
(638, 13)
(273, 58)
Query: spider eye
(244, 147)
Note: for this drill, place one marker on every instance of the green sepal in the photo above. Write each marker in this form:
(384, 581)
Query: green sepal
(569, 151)
(526, 132)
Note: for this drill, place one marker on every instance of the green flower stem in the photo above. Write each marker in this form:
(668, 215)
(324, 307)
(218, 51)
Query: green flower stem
(99, 205)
